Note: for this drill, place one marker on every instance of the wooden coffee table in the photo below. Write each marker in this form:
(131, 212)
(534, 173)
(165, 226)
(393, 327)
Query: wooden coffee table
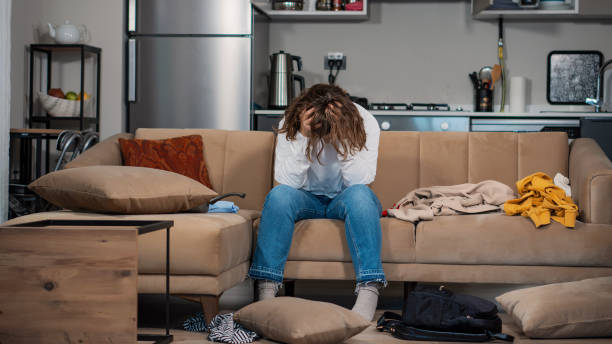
(74, 281)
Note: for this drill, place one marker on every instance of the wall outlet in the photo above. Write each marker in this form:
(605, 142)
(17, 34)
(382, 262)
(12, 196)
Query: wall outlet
(335, 56)
(331, 58)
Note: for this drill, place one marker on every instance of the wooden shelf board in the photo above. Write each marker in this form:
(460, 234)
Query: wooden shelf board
(35, 131)
(52, 118)
(487, 14)
(312, 15)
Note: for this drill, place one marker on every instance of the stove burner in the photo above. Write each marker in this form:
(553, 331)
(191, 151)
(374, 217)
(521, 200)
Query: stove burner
(390, 106)
(429, 107)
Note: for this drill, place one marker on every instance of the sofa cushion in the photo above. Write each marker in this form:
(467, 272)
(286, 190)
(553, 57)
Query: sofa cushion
(511, 240)
(200, 244)
(183, 155)
(324, 240)
(409, 160)
(397, 168)
(228, 155)
(121, 190)
(105, 152)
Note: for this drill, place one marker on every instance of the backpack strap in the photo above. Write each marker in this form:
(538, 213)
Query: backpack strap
(392, 323)
(502, 336)
(492, 325)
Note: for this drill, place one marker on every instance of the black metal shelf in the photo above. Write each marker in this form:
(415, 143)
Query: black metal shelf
(85, 122)
(65, 47)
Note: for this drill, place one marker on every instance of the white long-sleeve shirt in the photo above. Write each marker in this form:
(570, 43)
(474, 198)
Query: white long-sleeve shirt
(333, 174)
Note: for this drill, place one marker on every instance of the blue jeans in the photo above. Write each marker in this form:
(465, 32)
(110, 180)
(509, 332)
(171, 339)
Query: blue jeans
(357, 206)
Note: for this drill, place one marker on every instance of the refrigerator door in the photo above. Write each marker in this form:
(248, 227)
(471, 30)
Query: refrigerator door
(189, 17)
(191, 82)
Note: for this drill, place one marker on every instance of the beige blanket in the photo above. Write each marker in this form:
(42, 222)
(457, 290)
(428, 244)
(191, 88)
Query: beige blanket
(425, 203)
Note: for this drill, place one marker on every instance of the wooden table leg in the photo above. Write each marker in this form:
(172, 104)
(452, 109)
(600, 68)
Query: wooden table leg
(210, 306)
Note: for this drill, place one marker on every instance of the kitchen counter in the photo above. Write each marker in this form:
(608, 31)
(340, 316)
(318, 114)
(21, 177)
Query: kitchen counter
(546, 114)
(574, 123)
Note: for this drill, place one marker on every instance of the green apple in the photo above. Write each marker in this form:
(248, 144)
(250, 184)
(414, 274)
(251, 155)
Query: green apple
(72, 96)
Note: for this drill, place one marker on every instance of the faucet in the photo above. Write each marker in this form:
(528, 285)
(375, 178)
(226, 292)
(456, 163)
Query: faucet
(597, 102)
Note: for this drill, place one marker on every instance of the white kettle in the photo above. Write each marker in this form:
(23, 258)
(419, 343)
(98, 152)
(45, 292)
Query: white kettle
(68, 33)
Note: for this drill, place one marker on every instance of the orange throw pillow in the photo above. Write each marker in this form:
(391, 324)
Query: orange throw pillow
(183, 155)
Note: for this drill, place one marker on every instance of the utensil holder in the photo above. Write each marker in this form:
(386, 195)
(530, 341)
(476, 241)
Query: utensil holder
(483, 101)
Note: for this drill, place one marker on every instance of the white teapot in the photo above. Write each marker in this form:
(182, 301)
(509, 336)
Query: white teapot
(68, 33)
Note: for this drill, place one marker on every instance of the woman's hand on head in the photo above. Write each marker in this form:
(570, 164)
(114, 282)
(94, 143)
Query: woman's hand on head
(305, 121)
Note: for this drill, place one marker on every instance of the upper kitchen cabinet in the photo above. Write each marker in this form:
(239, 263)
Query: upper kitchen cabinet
(309, 11)
(493, 9)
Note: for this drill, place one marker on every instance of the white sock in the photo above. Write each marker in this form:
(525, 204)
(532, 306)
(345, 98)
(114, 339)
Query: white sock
(267, 289)
(367, 299)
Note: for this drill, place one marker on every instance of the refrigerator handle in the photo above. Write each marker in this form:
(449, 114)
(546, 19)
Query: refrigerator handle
(131, 70)
(131, 15)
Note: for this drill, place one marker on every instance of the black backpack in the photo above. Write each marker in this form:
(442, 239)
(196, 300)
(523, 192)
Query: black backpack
(437, 314)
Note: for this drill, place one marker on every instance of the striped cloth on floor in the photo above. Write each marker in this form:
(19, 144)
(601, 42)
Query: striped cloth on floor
(222, 329)
(196, 323)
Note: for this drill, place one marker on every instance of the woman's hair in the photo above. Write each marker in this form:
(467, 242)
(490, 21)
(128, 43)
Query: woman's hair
(335, 120)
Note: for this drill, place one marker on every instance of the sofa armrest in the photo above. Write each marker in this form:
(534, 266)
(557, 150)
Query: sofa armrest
(590, 173)
(106, 152)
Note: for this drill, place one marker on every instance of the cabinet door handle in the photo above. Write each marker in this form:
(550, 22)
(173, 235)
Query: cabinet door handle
(131, 70)
(132, 15)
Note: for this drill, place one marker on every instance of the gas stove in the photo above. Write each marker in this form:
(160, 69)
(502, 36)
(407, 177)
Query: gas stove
(429, 107)
(438, 120)
(410, 107)
(390, 106)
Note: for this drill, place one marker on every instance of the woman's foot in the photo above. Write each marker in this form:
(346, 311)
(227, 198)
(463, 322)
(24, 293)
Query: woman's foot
(267, 289)
(367, 300)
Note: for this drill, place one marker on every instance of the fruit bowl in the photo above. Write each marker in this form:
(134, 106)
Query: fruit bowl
(58, 107)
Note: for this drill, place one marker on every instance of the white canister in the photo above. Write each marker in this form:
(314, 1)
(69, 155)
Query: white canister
(518, 94)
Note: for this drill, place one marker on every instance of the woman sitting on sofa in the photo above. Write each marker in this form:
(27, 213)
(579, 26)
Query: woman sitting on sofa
(326, 154)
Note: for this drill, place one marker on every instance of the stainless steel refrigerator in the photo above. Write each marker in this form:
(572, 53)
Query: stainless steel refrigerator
(189, 64)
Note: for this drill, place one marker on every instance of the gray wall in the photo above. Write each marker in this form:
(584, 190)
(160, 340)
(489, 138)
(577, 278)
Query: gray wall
(5, 96)
(423, 50)
(105, 22)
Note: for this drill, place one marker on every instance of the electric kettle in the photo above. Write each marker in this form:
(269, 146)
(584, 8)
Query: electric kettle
(282, 80)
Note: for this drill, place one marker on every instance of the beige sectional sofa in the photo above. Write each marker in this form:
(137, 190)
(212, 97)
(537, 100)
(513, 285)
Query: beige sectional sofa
(210, 252)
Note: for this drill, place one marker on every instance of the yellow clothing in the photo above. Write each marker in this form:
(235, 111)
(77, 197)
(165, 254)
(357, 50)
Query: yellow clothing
(539, 198)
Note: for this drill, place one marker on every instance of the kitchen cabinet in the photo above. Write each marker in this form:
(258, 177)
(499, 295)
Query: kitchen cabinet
(309, 13)
(599, 129)
(483, 9)
(595, 8)
(266, 121)
(423, 123)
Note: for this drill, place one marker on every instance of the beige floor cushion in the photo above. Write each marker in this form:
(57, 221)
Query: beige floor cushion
(299, 321)
(563, 310)
(200, 244)
(511, 240)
